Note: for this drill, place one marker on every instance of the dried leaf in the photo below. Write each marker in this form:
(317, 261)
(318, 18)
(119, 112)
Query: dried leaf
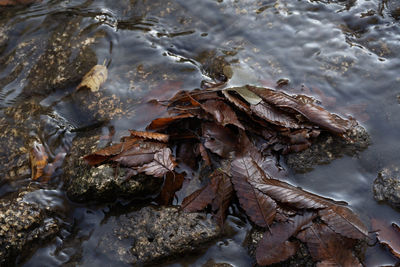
(204, 155)
(150, 135)
(220, 140)
(172, 183)
(343, 221)
(162, 123)
(236, 101)
(162, 163)
(247, 95)
(38, 158)
(328, 247)
(274, 247)
(223, 196)
(222, 113)
(17, 2)
(388, 236)
(293, 196)
(94, 78)
(199, 199)
(259, 207)
(274, 116)
(107, 153)
(311, 111)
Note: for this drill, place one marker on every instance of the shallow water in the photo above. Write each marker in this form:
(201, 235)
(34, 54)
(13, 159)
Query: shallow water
(344, 53)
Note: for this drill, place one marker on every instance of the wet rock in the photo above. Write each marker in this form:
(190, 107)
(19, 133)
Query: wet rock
(20, 126)
(386, 186)
(24, 225)
(102, 183)
(327, 148)
(151, 234)
(301, 258)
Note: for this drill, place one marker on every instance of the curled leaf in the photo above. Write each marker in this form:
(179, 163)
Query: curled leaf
(150, 135)
(94, 78)
(388, 236)
(162, 123)
(38, 158)
(311, 111)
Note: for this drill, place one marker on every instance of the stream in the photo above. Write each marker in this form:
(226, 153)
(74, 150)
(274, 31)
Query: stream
(343, 52)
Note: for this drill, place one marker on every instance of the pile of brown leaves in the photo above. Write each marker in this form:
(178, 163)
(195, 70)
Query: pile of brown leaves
(220, 128)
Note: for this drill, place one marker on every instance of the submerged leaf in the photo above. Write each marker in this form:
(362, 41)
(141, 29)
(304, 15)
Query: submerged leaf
(94, 78)
(38, 158)
(328, 247)
(343, 221)
(162, 163)
(199, 199)
(388, 236)
(172, 183)
(274, 247)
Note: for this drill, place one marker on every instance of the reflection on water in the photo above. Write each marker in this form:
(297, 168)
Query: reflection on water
(341, 52)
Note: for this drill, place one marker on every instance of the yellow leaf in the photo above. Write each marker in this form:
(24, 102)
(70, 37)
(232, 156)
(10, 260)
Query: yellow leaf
(94, 78)
(39, 159)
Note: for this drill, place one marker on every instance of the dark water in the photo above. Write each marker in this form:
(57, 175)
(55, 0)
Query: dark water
(342, 52)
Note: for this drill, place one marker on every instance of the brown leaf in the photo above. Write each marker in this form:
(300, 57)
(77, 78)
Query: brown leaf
(259, 207)
(199, 199)
(150, 135)
(274, 247)
(17, 2)
(141, 153)
(223, 196)
(236, 101)
(204, 155)
(162, 123)
(328, 247)
(172, 183)
(311, 111)
(222, 113)
(388, 236)
(343, 221)
(220, 140)
(104, 154)
(274, 116)
(94, 78)
(162, 163)
(293, 196)
(38, 158)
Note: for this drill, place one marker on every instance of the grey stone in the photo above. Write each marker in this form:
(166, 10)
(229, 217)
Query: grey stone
(102, 183)
(152, 234)
(24, 225)
(328, 147)
(386, 186)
